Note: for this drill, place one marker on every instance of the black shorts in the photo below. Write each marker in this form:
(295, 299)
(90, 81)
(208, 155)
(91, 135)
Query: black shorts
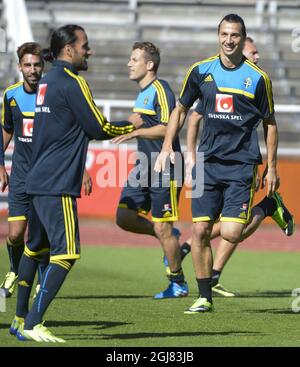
(228, 192)
(53, 223)
(18, 205)
(161, 201)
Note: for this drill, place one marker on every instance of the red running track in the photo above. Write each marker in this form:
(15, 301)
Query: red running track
(99, 232)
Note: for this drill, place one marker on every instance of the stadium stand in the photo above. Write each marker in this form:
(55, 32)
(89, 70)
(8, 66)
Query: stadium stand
(185, 30)
(7, 72)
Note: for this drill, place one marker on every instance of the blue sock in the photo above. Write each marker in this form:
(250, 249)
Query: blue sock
(176, 276)
(53, 278)
(15, 252)
(185, 249)
(28, 266)
(42, 266)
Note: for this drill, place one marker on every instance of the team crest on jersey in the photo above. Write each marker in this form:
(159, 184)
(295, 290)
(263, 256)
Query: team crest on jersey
(41, 94)
(224, 103)
(244, 206)
(167, 207)
(247, 82)
(243, 215)
(27, 127)
(146, 100)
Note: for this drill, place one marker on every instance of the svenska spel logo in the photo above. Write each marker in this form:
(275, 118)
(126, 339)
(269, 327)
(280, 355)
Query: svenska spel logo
(41, 94)
(27, 127)
(224, 103)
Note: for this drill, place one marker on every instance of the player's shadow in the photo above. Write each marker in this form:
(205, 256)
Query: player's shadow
(262, 294)
(278, 311)
(178, 334)
(4, 326)
(99, 325)
(161, 335)
(106, 296)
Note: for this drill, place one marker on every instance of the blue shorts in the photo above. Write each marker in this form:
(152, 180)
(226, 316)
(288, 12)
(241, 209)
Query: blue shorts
(162, 201)
(57, 220)
(228, 192)
(18, 205)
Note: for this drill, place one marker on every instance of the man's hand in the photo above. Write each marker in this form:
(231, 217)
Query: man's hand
(189, 164)
(271, 180)
(160, 163)
(3, 178)
(175, 123)
(257, 181)
(87, 183)
(270, 177)
(136, 120)
(122, 138)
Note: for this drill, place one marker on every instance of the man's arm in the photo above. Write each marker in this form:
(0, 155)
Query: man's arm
(136, 120)
(7, 136)
(3, 178)
(192, 134)
(87, 183)
(189, 93)
(3, 173)
(89, 117)
(151, 133)
(175, 123)
(271, 138)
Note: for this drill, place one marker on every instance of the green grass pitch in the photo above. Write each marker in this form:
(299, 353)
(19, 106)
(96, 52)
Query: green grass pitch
(106, 301)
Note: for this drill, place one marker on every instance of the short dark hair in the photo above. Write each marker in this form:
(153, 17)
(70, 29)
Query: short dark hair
(152, 53)
(59, 39)
(249, 39)
(32, 48)
(234, 18)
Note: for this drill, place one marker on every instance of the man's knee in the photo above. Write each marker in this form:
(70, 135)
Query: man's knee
(16, 232)
(125, 218)
(36, 255)
(202, 230)
(232, 231)
(66, 264)
(231, 236)
(15, 238)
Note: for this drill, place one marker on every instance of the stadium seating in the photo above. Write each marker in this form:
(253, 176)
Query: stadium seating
(7, 72)
(185, 31)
